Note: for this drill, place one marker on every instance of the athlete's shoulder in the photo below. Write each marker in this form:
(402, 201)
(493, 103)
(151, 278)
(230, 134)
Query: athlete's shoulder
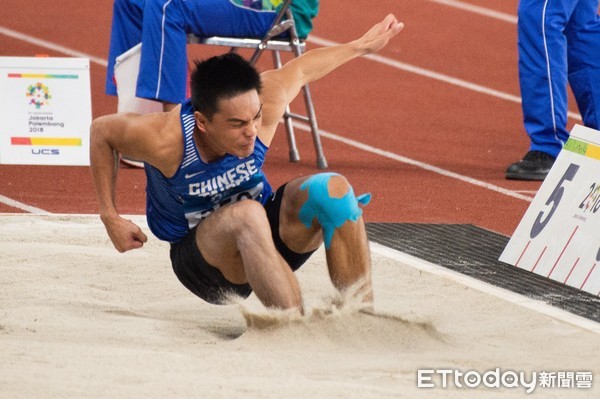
(165, 141)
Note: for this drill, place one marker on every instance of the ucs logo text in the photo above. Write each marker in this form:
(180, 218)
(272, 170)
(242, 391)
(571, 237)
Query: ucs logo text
(45, 151)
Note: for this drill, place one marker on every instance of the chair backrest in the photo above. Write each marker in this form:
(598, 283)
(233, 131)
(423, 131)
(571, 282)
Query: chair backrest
(279, 26)
(127, 69)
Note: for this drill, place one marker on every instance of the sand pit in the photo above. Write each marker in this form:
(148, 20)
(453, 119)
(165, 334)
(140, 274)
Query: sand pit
(78, 319)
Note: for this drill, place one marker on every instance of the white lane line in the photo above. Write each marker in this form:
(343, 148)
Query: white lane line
(435, 75)
(501, 16)
(489, 289)
(314, 39)
(419, 164)
(51, 46)
(532, 192)
(24, 207)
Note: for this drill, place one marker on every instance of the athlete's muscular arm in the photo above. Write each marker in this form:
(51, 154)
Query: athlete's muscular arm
(138, 136)
(281, 86)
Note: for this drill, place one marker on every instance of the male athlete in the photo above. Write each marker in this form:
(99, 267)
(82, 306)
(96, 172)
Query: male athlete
(206, 192)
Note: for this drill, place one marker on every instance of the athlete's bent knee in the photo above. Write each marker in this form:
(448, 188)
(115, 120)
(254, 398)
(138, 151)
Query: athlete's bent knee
(332, 202)
(248, 214)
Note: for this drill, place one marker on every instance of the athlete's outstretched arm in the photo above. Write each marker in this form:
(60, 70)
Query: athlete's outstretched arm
(281, 86)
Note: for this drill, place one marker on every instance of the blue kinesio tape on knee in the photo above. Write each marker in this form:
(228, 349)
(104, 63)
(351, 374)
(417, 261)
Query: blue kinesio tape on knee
(330, 212)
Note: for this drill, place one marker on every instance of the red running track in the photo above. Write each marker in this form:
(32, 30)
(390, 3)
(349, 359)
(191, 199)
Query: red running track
(437, 148)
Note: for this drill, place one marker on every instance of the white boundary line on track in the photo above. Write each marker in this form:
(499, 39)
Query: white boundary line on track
(435, 75)
(512, 297)
(19, 205)
(487, 12)
(419, 164)
(319, 41)
(501, 16)
(51, 46)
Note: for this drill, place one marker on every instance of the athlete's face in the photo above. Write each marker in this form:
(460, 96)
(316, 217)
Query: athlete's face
(233, 128)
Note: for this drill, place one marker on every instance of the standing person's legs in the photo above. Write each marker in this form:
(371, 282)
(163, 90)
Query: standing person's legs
(543, 80)
(323, 208)
(126, 32)
(583, 36)
(164, 63)
(543, 71)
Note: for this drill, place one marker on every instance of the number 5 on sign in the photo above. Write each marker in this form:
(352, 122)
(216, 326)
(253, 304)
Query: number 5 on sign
(559, 235)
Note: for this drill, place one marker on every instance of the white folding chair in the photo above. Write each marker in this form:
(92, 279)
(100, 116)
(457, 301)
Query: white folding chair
(284, 22)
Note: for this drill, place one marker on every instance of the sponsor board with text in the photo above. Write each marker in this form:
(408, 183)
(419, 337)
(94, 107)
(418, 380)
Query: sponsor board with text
(46, 107)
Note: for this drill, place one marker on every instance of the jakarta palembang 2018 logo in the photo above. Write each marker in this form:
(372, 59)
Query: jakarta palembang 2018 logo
(38, 95)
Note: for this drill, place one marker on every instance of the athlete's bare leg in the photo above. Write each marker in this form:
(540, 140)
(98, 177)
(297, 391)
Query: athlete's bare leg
(237, 240)
(348, 257)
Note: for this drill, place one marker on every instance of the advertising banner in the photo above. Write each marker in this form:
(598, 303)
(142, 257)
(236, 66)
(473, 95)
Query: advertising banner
(46, 110)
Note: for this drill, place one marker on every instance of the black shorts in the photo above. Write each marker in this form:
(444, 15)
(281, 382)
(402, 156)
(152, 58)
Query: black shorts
(206, 281)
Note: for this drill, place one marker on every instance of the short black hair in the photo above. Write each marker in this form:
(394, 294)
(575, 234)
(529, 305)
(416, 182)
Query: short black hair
(222, 76)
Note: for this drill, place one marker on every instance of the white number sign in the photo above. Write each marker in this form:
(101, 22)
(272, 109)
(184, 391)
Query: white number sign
(559, 235)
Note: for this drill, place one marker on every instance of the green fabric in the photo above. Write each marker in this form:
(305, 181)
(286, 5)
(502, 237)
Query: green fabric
(304, 11)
